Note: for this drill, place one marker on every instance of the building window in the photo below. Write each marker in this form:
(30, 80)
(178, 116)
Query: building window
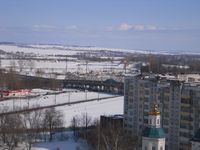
(161, 148)
(153, 148)
(145, 148)
(158, 121)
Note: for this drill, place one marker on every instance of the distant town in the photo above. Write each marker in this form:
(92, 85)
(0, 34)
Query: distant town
(98, 98)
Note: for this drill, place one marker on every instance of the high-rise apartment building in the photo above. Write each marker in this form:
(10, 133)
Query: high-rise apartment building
(177, 100)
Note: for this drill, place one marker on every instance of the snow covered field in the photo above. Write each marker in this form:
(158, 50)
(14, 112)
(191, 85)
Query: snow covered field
(65, 144)
(50, 60)
(93, 109)
(63, 141)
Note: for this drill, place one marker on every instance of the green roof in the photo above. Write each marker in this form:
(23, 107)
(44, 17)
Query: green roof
(153, 132)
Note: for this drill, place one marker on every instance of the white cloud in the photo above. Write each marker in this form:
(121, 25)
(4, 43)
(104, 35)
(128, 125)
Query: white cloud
(46, 28)
(109, 28)
(151, 27)
(71, 28)
(139, 27)
(125, 27)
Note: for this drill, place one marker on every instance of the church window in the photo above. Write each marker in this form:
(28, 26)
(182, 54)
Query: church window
(145, 148)
(158, 121)
(153, 148)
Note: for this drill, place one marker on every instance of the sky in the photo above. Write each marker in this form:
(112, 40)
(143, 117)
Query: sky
(132, 24)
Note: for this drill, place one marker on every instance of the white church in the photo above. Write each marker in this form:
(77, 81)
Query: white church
(153, 137)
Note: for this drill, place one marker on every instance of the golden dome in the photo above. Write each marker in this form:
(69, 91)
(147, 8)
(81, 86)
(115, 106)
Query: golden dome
(154, 110)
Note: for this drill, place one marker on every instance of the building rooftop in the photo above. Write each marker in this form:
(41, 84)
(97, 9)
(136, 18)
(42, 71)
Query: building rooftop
(153, 132)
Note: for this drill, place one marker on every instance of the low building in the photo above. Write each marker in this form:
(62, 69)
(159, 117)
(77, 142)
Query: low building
(14, 93)
(115, 121)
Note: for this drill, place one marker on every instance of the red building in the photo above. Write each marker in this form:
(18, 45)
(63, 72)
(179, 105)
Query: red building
(14, 93)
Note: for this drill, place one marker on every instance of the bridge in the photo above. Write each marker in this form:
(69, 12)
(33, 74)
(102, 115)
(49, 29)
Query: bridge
(109, 85)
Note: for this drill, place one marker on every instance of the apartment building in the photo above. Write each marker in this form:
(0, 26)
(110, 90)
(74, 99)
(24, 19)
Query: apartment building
(177, 100)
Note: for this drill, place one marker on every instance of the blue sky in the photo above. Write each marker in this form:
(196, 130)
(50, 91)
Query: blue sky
(134, 24)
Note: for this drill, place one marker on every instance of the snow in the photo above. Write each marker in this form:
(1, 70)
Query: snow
(62, 145)
(93, 108)
(62, 140)
(68, 142)
(46, 100)
(50, 60)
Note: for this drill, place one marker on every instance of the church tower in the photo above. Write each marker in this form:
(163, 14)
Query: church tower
(153, 137)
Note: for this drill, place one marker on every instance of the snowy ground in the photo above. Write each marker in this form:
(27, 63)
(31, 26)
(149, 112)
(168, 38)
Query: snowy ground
(94, 108)
(63, 141)
(62, 145)
(50, 60)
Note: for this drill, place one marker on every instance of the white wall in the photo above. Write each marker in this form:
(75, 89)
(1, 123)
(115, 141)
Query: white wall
(195, 145)
(150, 142)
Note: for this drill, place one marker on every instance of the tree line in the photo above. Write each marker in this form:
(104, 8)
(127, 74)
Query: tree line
(29, 127)
(98, 137)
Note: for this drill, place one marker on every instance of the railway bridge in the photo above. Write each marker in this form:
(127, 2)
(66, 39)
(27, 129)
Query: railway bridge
(109, 85)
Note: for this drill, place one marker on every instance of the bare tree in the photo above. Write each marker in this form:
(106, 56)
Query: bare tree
(39, 72)
(12, 65)
(9, 129)
(32, 124)
(75, 122)
(12, 82)
(85, 120)
(53, 119)
(21, 64)
(110, 138)
(114, 138)
(31, 64)
(0, 63)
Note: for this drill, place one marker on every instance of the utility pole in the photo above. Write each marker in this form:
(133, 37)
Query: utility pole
(55, 98)
(98, 91)
(86, 69)
(13, 105)
(28, 102)
(85, 94)
(66, 68)
(69, 97)
(78, 68)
